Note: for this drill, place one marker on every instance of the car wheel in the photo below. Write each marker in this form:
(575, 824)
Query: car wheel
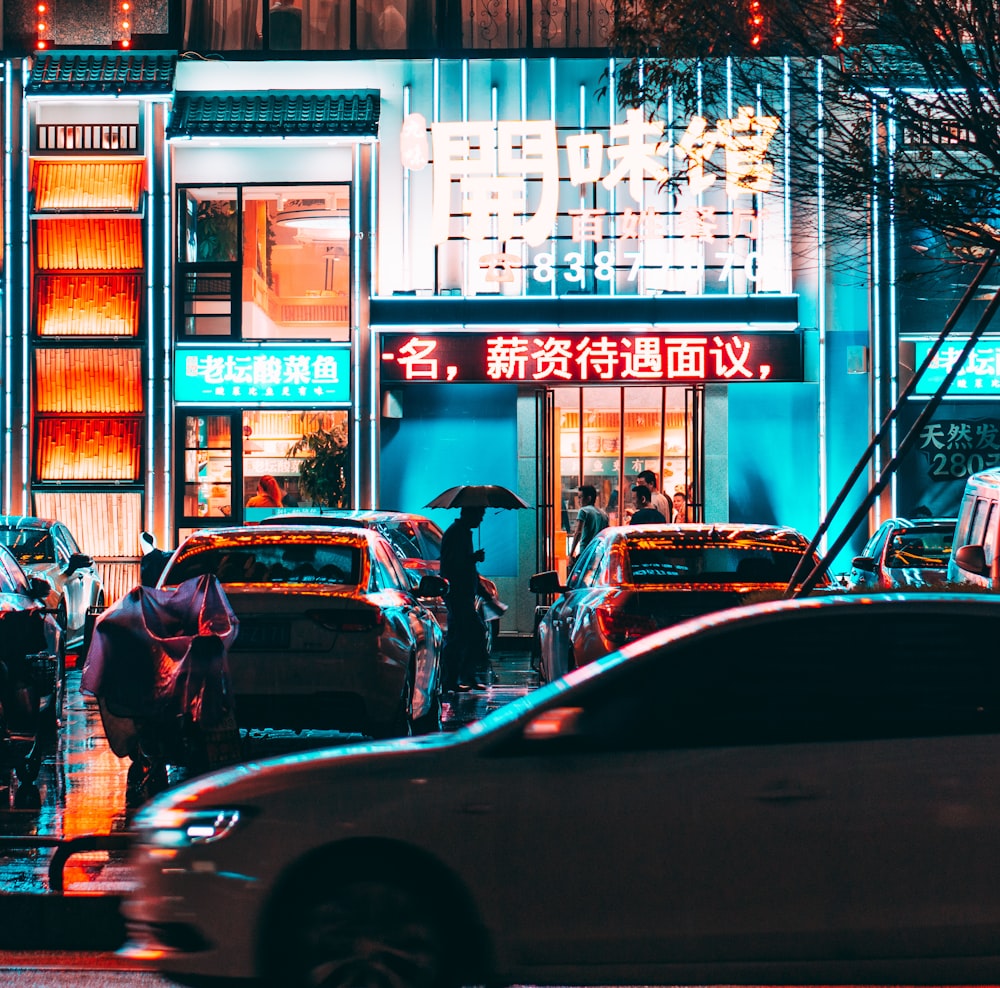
(400, 725)
(430, 723)
(363, 931)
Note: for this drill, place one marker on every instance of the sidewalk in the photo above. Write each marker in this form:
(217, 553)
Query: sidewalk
(80, 791)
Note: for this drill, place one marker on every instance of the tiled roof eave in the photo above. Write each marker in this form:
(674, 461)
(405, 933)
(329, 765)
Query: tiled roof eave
(102, 74)
(276, 114)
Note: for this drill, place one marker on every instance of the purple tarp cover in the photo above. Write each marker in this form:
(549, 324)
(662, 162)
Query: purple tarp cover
(161, 654)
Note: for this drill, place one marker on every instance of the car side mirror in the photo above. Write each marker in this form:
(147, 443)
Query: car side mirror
(431, 586)
(865, 563)
(39, 589)
(79, 560)
(971, 558)
(547, 582)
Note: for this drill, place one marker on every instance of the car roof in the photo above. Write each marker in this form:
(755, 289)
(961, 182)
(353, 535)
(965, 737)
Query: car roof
(347, 514)
(261, 534)
(26, 521)
(699, 534)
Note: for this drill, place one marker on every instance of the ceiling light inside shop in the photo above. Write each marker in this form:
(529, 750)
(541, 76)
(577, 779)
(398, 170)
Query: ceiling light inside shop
(314, 217)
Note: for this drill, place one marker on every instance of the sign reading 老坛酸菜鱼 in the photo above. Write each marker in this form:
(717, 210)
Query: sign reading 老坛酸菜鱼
(259, 375)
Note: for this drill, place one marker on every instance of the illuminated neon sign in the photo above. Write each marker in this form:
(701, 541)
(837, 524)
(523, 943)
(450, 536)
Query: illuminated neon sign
(501, 187)
(264, 375)
(594, 358)
(980, 377)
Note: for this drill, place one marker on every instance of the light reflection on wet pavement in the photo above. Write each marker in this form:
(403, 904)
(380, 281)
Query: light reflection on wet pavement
(81, 786)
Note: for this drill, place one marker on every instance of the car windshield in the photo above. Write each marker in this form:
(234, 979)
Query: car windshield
(29, 545)
(664, 562)
(923, 548)
(292, 563)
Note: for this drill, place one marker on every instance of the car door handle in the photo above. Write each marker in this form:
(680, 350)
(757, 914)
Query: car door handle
(476, 809)
(786, 792)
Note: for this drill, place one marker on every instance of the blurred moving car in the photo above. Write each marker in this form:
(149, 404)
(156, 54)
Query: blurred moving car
(32, 656)
(46, 548)
(904, 553)
(759, 799)
(416, 540)
(333, 631)
(633, 580)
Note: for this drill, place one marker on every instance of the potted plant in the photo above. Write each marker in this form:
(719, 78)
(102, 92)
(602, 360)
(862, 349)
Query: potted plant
(323, 476)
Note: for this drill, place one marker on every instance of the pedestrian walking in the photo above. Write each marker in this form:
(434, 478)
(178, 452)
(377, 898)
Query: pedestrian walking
(465, 641)
(590, 519)
(657, 499)
(644, 513)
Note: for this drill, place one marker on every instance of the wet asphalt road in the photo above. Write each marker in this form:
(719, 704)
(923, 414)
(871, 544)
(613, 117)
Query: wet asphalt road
(81, 786)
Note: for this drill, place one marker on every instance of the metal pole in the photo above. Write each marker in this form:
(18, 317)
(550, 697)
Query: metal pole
(831, 513)
(821, 567)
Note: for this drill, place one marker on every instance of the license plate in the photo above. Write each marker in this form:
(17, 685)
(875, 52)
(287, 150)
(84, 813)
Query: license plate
(255, 635)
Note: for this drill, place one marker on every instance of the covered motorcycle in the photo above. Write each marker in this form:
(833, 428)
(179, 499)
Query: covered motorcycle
(157, 664)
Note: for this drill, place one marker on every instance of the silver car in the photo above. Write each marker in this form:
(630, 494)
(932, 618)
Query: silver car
(794, 792)
(333, 632)
(47, 549)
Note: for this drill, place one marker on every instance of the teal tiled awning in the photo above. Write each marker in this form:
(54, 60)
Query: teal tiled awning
(275, 114)
(78, 73)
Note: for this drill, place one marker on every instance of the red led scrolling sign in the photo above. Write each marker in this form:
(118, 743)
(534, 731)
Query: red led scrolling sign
(593, 358)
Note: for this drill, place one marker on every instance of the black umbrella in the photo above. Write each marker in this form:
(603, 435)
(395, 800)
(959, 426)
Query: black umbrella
(477, 496)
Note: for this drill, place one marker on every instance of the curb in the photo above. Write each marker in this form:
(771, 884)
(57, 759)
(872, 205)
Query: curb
(54, 921)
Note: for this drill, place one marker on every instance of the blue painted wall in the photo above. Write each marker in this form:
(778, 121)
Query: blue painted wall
(454, 434)
(773, 455)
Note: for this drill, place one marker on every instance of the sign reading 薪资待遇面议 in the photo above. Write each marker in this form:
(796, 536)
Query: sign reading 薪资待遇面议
(595, 358)
(522, 207)
(262, 375)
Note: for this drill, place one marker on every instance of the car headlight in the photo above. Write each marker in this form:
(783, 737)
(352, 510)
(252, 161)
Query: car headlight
(183, 828)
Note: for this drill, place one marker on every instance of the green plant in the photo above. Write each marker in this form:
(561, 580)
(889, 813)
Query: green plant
(216, 230)
(323, 477)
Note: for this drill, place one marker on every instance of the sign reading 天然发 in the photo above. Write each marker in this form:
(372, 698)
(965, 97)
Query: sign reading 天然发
(263, 375)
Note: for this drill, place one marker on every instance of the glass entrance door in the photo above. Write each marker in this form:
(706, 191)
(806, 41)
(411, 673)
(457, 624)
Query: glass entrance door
(605, 436)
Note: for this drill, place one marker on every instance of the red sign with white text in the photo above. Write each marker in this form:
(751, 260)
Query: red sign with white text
(592, 358)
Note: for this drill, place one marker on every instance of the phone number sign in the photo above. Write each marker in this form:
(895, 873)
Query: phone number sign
(593, 358)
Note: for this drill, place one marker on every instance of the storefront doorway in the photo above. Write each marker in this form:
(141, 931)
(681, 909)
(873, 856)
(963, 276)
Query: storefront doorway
(606, 435)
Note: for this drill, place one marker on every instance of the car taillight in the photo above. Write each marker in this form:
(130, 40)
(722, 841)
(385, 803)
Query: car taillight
(348, 620)
(619, 627)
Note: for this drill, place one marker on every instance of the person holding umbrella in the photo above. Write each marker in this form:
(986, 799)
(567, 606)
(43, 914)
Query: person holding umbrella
(465, 643)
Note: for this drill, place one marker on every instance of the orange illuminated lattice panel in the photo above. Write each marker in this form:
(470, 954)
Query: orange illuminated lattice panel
(106, 523)
(88, 449)
(87, 184)
(88, 304)
(88, 244)
(103, 381)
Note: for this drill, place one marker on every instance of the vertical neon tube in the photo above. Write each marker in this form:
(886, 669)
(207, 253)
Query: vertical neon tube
(373, 401)
(168, 333)
(892, 355)
(356, 251)
(8, 312)
(25, 300)
(821, 410)
(407, 251)
(148, 193)
(876, 319)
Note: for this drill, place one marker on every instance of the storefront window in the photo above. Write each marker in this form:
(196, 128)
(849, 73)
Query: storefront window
(307, 453)
(208, 479)
(265, 262)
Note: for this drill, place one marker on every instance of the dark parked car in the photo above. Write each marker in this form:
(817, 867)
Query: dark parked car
(746, 798)
(32, 667)
(47, 549)
(633, 580)
(904, 553)
(416, 540)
